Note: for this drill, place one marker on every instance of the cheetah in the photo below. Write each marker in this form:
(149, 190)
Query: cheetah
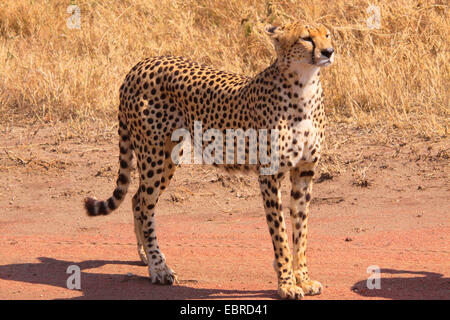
(163, 94)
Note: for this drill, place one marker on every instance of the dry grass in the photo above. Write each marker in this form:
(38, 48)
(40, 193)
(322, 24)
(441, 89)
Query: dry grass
(393, 77)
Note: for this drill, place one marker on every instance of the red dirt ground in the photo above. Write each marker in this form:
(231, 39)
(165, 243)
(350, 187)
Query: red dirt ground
(385, 203)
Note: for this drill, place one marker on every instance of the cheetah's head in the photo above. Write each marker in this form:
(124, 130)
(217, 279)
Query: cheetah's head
(302, 43)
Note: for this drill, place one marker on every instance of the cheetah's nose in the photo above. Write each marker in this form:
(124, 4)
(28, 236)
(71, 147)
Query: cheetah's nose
(327, 52)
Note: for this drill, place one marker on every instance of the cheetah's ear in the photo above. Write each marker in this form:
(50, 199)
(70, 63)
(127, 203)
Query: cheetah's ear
(275, 34)
(273, 31)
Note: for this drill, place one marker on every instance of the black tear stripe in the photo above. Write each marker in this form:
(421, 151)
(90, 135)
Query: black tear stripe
(306, 173)
(312, 54)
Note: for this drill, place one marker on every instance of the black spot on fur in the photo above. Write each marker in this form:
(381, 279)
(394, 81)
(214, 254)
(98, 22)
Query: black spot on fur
(123, 179)
(296, 195)
(102, 208)
(306, 173)
(118, 194)
(111, 204)
(89, 205)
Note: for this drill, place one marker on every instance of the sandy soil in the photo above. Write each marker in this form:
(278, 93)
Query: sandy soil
(382, 202)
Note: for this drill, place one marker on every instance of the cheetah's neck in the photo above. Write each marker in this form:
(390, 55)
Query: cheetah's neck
(296, 89)
(302, 82)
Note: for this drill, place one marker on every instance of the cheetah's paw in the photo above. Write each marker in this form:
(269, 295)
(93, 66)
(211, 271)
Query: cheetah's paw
(162, 274)
(311, 287)
(290, 291)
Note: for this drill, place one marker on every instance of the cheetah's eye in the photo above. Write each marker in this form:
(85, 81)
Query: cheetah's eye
(328, 35)
(309, 39)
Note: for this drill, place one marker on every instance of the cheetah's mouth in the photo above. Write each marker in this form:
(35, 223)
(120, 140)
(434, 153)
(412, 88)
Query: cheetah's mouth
(323, 62)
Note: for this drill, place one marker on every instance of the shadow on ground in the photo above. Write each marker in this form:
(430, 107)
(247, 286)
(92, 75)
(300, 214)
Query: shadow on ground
(115, 286)
(411, 285)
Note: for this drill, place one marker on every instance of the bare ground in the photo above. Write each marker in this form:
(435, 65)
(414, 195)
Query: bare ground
(379, 200)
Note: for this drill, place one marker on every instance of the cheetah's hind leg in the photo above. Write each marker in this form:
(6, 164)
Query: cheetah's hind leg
(156, 169)
(169, 170)
(138, 227)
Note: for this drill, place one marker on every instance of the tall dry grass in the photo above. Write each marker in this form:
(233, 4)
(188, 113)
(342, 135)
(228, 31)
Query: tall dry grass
(393, 77)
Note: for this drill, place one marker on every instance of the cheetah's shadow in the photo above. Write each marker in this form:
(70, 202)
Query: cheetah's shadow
(101, 286)
(422, 285)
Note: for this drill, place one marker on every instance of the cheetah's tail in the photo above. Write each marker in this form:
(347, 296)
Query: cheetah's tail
(96, 207)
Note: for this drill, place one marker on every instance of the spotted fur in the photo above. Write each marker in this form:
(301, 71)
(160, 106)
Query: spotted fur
(162, 94)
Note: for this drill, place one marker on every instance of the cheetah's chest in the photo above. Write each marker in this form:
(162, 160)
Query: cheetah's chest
(301, 144)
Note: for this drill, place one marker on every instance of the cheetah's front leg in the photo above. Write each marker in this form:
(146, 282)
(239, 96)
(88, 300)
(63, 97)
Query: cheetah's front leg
(301, 180)
(270, 189)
